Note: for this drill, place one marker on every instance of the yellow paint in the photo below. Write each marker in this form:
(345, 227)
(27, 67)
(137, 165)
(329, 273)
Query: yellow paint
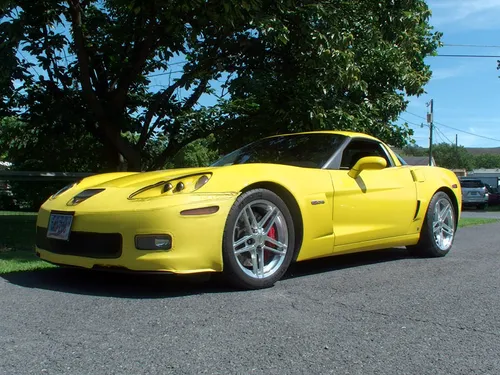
(340, 214)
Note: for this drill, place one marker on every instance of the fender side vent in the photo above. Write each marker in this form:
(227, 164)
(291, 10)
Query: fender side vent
(417, 210)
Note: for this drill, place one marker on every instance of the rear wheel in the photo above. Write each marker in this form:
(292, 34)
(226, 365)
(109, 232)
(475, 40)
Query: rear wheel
(438, 230)
(258, 241)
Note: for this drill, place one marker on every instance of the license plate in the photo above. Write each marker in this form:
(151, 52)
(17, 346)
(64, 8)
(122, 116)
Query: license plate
(59, 226)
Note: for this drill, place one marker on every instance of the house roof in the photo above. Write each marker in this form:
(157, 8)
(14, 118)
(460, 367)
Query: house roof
(486, 171)
(418, 160)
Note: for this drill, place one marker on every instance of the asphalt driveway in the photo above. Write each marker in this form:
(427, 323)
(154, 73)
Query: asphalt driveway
(377, 313)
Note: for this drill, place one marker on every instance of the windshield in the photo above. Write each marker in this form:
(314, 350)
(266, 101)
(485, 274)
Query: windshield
(301, 150)
(472, 184)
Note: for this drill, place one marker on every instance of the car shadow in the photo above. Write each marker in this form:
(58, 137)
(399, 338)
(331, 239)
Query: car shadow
(340, 262)
(150, 286)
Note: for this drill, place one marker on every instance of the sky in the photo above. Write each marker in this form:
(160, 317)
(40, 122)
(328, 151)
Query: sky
(465, 91)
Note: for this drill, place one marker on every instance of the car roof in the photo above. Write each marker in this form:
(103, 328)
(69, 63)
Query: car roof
(350, 134)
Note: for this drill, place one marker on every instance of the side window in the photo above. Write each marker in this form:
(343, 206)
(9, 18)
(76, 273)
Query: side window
(358, 149)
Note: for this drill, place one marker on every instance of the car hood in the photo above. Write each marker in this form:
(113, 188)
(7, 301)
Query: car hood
(142, 179)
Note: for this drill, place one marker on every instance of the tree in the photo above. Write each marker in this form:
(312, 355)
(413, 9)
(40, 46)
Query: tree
(284, 65)
(54, 147)
(487, 161)
(452, 157)
(415, 150)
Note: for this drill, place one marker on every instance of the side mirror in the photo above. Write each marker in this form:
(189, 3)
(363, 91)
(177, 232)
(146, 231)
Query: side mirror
(368, 162)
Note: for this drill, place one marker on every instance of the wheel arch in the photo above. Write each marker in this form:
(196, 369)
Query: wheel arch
(292, 205)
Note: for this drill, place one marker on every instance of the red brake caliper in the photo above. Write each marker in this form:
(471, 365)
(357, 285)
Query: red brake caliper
(271, 234)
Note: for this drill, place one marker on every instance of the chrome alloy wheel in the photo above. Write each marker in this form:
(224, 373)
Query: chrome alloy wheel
(260, 239)
(443, 224)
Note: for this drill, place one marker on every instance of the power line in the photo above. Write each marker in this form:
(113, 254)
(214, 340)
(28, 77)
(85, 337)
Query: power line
(413, 123)
(470, 45)
(441, 135)
(165, 73)
(438, 133)
(456, 129)
(469, 56)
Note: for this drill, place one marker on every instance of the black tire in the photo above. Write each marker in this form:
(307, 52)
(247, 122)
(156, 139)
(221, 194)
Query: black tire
(481, 206)
(233, 268)
(427, 245)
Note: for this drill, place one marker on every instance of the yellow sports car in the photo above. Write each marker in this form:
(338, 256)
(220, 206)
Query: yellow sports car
(278, 200)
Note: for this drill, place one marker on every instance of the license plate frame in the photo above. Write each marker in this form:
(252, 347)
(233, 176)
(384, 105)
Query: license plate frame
(60, 224)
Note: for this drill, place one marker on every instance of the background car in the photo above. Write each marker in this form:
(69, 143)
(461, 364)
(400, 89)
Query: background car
(278, 200)
(474, 193)
(493, 195)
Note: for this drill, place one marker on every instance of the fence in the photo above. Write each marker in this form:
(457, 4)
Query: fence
(23, 192)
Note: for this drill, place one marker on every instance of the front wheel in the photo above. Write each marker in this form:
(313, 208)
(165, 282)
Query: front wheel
(438, 230)
(258, 242)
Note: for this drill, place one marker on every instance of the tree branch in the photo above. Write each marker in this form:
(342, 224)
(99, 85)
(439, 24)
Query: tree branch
(195, 96)
(160, 98)
(108, 128)
(140, 54)
(83, 59)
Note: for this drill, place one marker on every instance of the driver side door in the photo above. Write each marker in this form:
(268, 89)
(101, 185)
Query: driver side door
(377, 204)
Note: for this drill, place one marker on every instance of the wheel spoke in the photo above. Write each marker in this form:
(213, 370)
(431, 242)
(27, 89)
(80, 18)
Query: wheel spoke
(251, 217)
(276, 243)
(445, 211)
(241, 241)
(255, 265)
(267, 216)
(436, 227)
(436, 213)
(245, 249)
(275, 251)
(271, 222)
(447, 229)
(441, 239)
(260, 257)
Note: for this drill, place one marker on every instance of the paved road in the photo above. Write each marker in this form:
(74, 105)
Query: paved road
(480, 214)
(378, 313)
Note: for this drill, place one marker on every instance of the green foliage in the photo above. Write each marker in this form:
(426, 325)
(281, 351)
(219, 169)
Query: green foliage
(52, 145)
(285, 65)
(415, 150)
(199, 153)
(452, 157)
(487, 161)
(345, 65)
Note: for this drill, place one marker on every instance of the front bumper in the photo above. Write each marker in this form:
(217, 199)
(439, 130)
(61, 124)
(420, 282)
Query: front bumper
(106, 238)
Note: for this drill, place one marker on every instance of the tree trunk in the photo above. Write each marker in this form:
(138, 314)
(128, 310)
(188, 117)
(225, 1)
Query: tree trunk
(116, 160)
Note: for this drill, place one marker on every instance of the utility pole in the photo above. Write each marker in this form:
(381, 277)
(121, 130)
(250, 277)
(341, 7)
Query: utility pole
(456, 141)
(430, 121)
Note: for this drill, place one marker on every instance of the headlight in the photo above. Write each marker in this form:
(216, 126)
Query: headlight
(181, 185)
(64, 189)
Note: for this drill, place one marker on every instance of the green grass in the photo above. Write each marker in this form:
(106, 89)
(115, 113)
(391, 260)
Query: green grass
(17, 240)
(494, 208)
(467, 222)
